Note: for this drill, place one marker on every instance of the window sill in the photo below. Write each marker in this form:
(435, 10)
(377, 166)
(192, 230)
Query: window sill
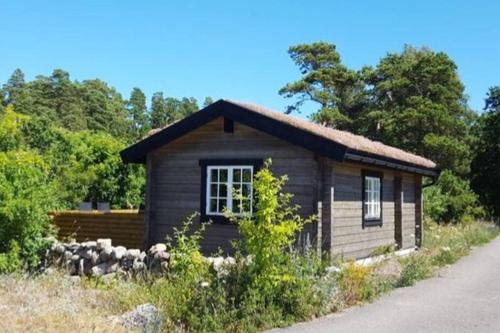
(372, 223)
(216, 219)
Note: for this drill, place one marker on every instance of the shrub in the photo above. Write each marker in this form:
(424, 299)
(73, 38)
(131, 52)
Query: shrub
(353, 283)
(451, 200)
(10, 129)
(10, 262)
(416, 267)
(25, 198)
(267, 237)
(184, 248)
(87, 167)
(269, 284)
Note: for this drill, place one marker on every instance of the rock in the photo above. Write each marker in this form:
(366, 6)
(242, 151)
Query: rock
(90, 245)
(68, 255)
(163, 255)
(100, 269)
(103, 243)
(75, 257)
(118, 252)
(133, 254)
(146, 317)
(160, 247)
(112, 267)
(164, 265)
(217, 263)
(71, 267)
(105, 253)
(81, 267)
(59, 248)
(142, 256)
(87, 253)
(390, 269)
(73, 246)
(138, 266)
(94, 258)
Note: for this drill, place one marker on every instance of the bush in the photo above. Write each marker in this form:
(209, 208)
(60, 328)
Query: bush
(269, 284)
(10, 262)
(353, 283)
(416, 267)
(25, 198)
(87, 167)
(451, 200)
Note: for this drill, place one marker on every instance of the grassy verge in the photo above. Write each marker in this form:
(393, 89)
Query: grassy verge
(208, 301)
(443, 245)
(188, 306)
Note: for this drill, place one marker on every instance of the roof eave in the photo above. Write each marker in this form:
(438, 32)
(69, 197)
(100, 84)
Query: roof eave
(387, 162)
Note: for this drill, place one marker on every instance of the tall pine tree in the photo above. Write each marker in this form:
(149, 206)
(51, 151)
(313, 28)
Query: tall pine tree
(137, 114)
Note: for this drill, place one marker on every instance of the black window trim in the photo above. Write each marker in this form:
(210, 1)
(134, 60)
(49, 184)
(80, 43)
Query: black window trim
(204, 163)
(371, 222)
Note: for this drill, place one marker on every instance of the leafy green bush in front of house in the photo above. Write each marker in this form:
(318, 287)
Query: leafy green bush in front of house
(26, 195)
(269, 283)
(267, 237)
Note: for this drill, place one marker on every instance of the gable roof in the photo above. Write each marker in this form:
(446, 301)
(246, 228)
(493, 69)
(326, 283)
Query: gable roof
(332, 143)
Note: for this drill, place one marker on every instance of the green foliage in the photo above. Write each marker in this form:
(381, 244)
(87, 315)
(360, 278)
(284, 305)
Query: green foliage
(419, 105)
(25, 198)
(448, 244)
(325, 80)
(137, 114)
(383, 250)
(485, 173)
(88, 167)
(451, 200)
(271, 229)
(10, 262)
(165, 111)
(10, 129)
(271, 285)
(413, 100)
(184, 248)
(354, 284)
(416, 267)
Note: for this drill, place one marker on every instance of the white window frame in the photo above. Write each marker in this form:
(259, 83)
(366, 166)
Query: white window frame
(373, 198)
(230, 188)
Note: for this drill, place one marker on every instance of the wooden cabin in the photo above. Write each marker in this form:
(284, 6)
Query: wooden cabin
(367, 194)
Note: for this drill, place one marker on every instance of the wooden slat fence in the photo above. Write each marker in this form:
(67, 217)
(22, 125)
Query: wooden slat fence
(124, 227)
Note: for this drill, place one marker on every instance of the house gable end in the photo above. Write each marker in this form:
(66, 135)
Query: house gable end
(137, 152)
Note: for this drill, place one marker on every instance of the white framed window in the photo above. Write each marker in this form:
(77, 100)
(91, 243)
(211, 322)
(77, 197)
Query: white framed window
(229, 188)
(372, 198)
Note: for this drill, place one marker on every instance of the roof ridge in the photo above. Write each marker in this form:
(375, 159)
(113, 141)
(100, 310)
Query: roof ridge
(360, 145)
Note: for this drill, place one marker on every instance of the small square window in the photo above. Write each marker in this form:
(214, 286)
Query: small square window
(229, 187)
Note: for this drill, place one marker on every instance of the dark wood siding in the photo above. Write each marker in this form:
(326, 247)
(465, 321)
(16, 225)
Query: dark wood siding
(175, 176)
(408, 211)
(349, 238)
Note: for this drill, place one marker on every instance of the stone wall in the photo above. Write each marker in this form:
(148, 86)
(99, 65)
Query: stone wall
(100, 258)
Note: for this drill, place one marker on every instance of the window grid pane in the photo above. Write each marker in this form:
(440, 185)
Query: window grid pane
(372, 202)
(229, 188)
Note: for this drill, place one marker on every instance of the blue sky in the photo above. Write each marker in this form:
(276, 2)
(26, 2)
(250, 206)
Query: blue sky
(236, 49)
